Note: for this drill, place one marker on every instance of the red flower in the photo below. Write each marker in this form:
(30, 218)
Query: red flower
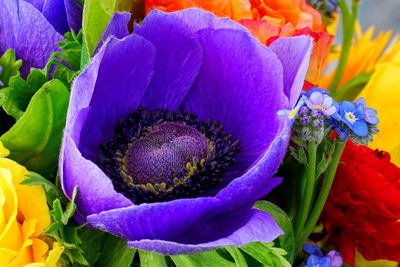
(363, 209)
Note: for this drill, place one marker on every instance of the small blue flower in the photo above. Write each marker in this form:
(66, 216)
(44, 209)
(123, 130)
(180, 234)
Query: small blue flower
(370, 113)
(353, 116)
(315, 89)
(316, 259)
(322, 102)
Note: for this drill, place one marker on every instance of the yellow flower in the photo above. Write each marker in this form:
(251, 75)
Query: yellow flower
(361, 262)
(383, 94)
(364, 54)
(24, 216)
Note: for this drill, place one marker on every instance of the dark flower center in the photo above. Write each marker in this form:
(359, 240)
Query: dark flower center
(164, 151)
(160, 155)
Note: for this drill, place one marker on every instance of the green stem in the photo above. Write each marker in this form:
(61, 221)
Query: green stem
(323, 195)
(308, 188)
(348, 24)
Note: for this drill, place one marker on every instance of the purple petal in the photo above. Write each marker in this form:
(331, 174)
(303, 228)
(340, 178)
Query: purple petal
(327, 102)
(95, 190)
(38, 4)
(124, 73)
(55, 13)
(178, 60)
(118, 28)
(235, 229)
(256, 182)
(294, 53)
(157, 220)
(312, 250)
(74, 14)
(196, 19)
(28, 32)
(330, 111)
(317, 99)
(240, 84)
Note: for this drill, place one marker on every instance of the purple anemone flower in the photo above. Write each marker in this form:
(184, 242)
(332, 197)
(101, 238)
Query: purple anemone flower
(172, 132)
(33, 28)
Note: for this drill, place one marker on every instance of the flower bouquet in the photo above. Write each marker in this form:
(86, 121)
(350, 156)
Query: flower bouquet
(197, 133)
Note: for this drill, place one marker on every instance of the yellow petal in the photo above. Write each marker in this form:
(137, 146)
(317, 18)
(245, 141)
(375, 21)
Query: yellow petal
(54, 255)
(11, 234)
(361, 262)
(3, 151)
(383, 94)
(31, 199)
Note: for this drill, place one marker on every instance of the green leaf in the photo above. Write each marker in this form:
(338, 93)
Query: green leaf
(10, 66)
(152, 259)
(352, 88)
(85, 56)
(266, 254)
(68, 62)
(15, 98)
(70, 209)
(285, 241)
(209, 258)
(92, 243)
(35, 139)
(115, 253)
(96, 15)
(237, 255)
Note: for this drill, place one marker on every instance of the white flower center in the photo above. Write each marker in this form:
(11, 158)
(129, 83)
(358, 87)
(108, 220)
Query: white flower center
(351, 117)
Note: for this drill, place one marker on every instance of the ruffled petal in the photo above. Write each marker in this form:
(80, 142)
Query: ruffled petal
(294, 53)
(196, 19)
(235, 229)
(178, 60)
(123, 76)
(95, 190)
(156, 221)
(24, 29)
(118, 28)
(240, 84)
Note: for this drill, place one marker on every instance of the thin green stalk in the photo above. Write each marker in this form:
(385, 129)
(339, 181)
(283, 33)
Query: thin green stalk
(348, 24)
(323, 195)
(308, 189)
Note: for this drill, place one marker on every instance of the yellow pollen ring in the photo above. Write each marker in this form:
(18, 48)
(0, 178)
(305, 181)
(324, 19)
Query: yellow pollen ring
(293, 113)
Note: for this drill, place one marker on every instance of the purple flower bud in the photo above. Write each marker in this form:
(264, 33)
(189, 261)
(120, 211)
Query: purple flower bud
(305, 120)
(317, 114)
(303, 110)
(317, 124)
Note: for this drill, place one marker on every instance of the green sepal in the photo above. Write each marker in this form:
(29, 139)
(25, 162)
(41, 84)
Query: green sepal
(68, 62)
(35, 139)
(10, 66)
(15, 98)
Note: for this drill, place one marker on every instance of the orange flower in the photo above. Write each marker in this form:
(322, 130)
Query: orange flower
(234, 9)
(267, 20)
